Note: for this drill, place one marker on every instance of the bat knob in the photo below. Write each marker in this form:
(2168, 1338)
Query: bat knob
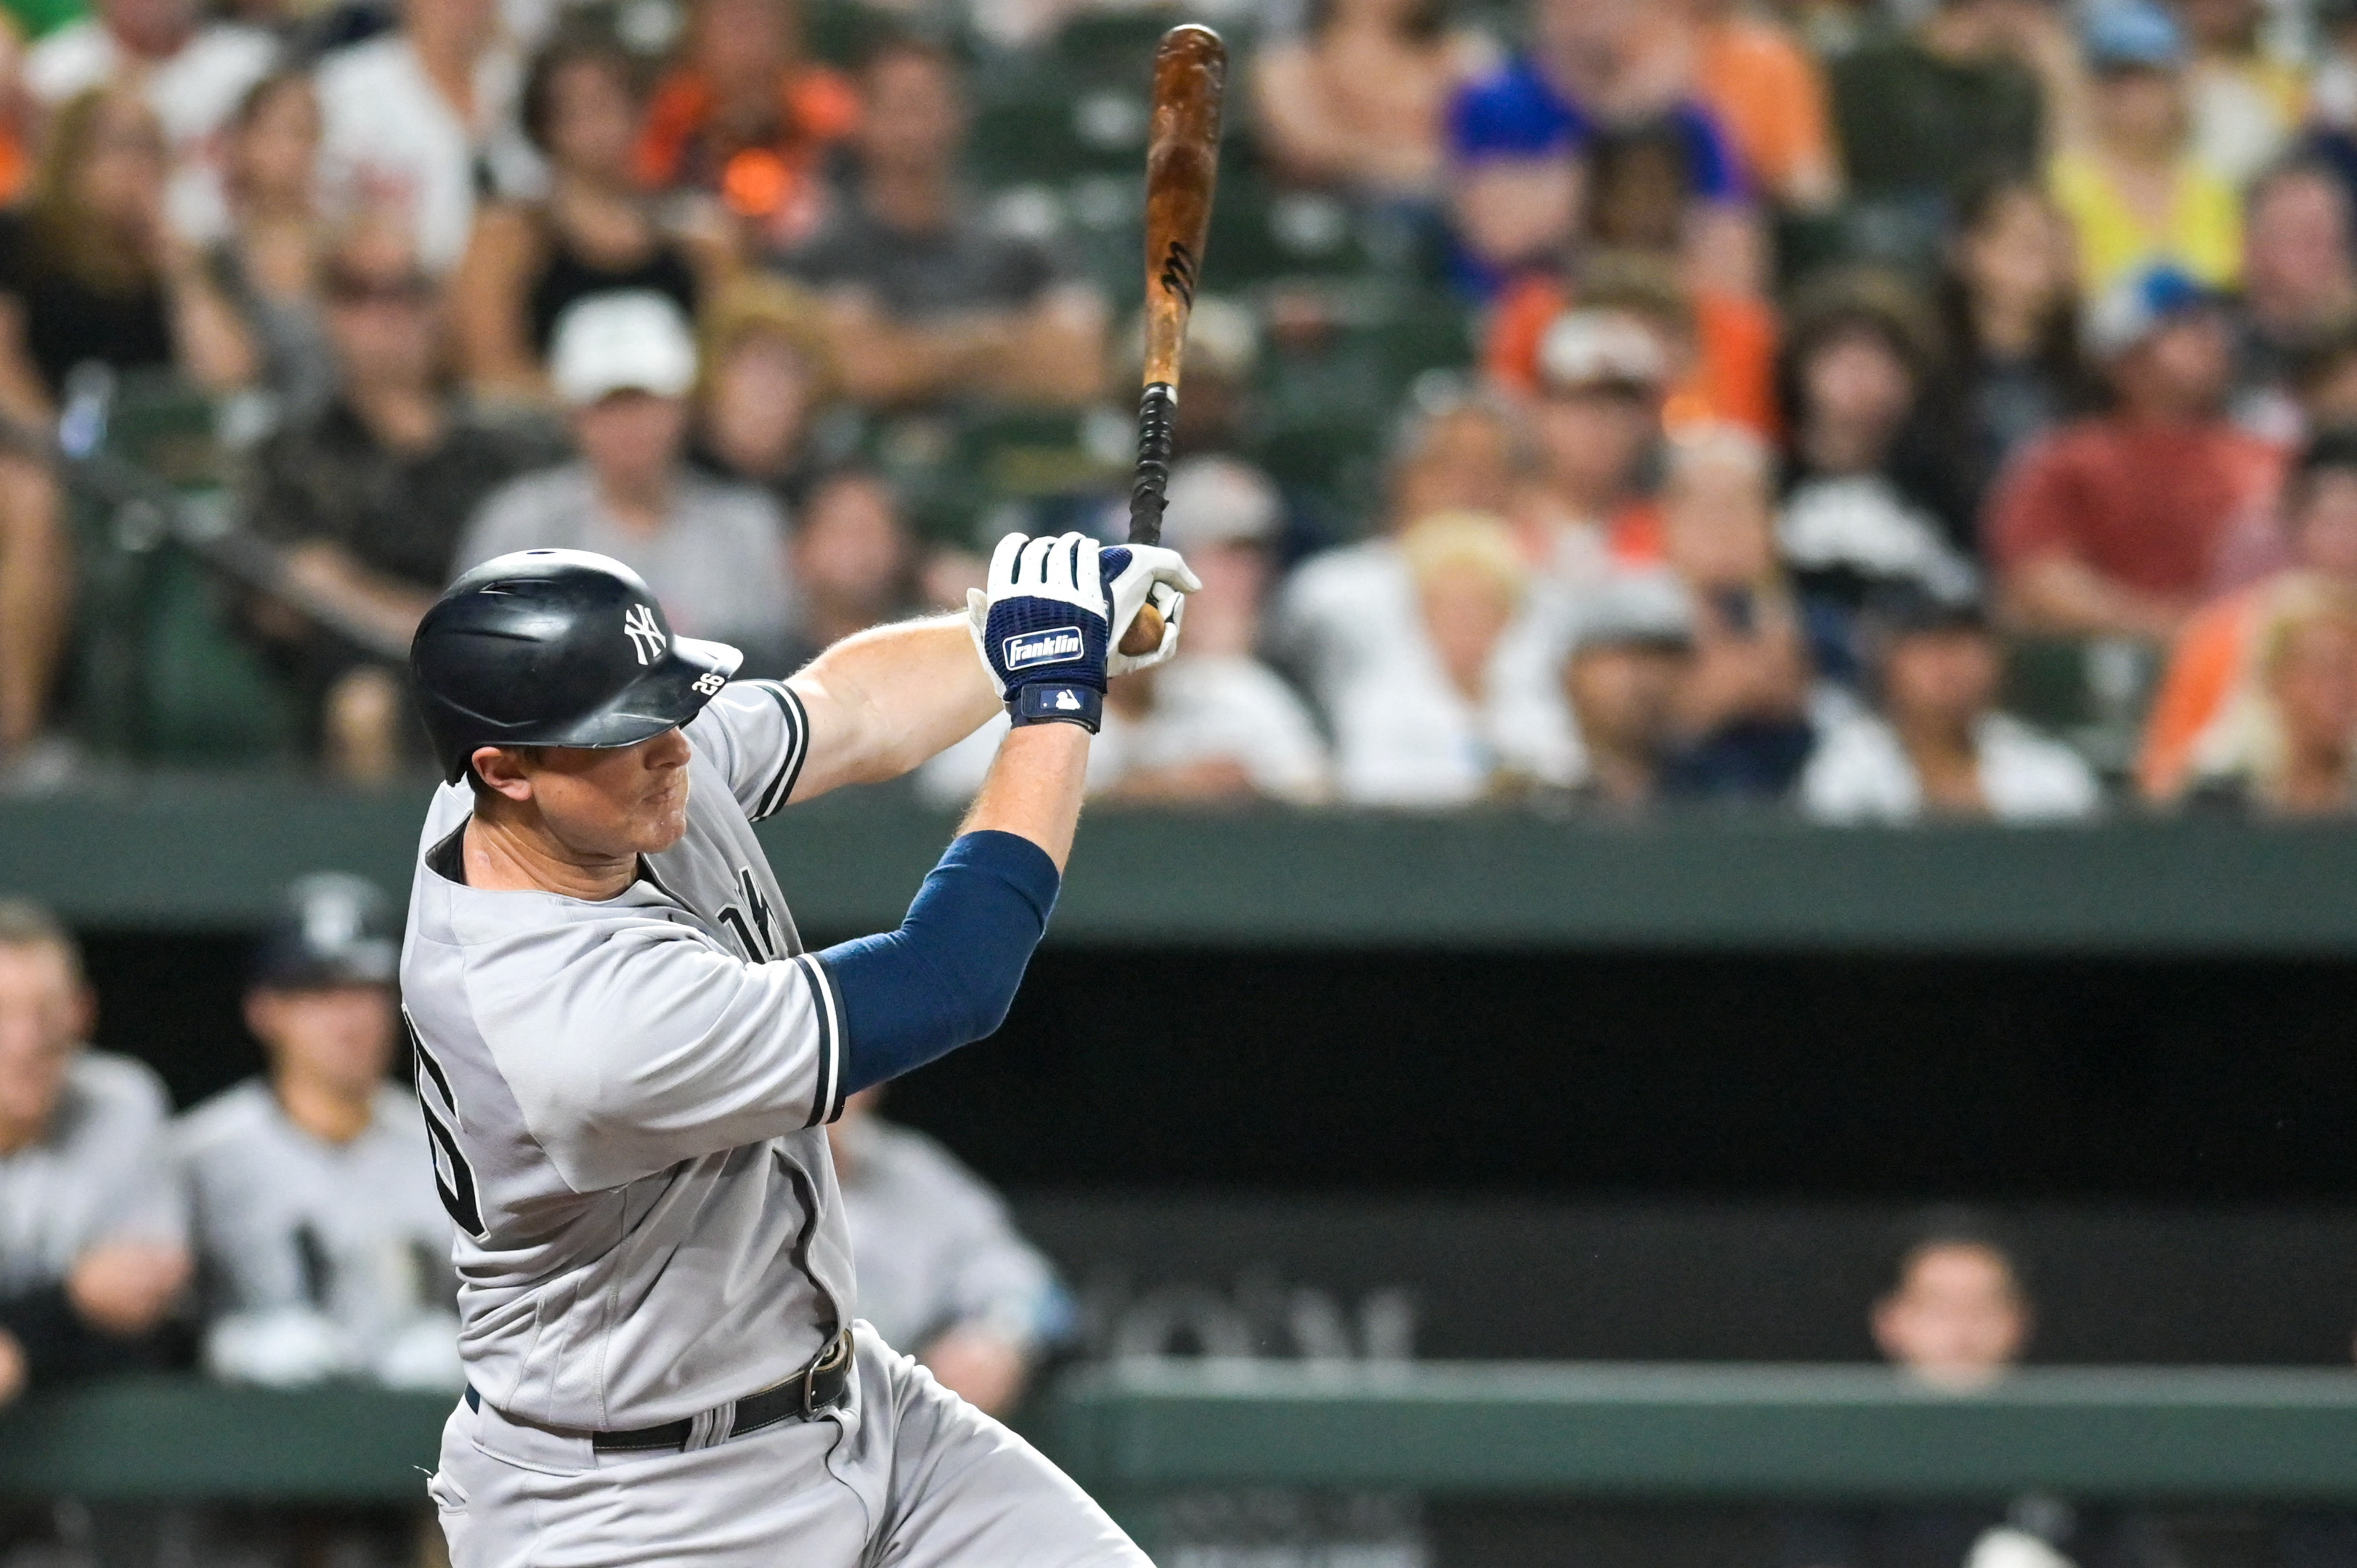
(1143, 634)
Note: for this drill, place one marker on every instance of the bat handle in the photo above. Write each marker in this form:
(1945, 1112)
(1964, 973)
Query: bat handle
(1157, 412)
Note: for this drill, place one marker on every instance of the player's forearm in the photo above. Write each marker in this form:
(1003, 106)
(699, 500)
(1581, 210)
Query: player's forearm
(883, 701)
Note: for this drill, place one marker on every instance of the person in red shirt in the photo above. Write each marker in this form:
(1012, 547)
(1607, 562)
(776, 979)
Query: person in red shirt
(2114, 526)
(746, 118)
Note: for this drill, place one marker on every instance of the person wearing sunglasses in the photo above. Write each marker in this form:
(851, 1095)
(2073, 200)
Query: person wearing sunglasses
(370, 494)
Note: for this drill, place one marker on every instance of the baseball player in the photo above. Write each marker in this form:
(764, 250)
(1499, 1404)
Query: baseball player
(322, 1248)
(942, 1270)
(93, 1237)
(627, 1060)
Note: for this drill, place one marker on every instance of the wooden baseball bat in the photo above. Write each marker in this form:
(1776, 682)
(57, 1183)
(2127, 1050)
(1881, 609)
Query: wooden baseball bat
(1182, 164)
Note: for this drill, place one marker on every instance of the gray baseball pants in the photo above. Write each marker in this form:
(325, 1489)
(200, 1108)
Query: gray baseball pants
(906, 1474)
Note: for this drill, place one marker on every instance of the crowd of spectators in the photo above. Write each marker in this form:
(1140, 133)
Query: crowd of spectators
(1830, 370)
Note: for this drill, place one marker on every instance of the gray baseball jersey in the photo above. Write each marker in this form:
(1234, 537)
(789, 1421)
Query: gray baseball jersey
(626, 1102)
(284, 1219)
(936, 1247)
(100, 1175)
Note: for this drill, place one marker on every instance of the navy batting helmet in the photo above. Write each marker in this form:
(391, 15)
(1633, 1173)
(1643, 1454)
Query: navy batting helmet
(555, 648)
(331, 928)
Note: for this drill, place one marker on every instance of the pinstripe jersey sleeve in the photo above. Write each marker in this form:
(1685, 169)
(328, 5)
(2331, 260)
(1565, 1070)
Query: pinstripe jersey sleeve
(759, 734)
(642, 1044)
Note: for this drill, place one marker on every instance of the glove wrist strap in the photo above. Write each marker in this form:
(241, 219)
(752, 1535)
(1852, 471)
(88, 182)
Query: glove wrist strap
(1046, 702)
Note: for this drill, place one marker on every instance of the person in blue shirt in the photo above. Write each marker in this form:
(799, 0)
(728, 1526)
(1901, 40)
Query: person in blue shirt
(1521, 139)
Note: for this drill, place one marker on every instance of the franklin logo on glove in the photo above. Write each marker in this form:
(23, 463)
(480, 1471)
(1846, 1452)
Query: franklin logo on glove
(1061, 645)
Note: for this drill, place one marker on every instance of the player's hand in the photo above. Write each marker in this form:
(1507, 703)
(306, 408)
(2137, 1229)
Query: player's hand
(1135, 576)
(1041, 627)
(126, 1287)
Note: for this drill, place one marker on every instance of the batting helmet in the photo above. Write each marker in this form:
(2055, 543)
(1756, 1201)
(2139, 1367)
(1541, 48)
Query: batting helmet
(331, 928)
(555, 648)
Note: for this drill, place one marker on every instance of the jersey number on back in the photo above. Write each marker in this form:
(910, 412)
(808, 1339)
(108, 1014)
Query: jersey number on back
(454, 1178)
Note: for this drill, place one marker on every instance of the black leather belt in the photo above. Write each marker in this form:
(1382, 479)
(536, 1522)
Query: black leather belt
(818, 1387)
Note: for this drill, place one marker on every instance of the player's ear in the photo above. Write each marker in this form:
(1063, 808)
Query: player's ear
(501, 771)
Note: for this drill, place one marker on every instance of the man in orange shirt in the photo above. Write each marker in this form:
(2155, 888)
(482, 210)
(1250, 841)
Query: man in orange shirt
(1770, 96)
(1595, 422)
(748, 119)
(1720, 348)
(2112, 526)
(2215, 655)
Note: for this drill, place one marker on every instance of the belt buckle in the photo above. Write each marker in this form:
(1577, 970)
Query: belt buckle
(825, 1360)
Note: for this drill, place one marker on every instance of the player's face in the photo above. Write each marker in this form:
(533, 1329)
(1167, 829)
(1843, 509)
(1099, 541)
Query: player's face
(338, 1037)
(43, 1015)
(613, 802)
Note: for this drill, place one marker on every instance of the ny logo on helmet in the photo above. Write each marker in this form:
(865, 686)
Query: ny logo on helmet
(645, 635)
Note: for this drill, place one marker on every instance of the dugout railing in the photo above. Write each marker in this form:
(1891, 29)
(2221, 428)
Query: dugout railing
(1134, 1431)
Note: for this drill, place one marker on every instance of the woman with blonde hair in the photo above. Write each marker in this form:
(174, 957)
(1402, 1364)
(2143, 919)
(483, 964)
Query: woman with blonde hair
(2288, 748)
(1460, 705)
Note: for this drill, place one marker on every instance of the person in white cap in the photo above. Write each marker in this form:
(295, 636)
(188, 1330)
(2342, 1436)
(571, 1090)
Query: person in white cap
(714, 553)
(1596, 418)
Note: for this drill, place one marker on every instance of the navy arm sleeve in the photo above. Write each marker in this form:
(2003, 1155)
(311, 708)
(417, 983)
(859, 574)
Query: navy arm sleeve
(948, 975)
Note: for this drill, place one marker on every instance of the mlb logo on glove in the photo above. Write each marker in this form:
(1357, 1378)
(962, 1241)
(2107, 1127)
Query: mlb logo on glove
(1028, 650)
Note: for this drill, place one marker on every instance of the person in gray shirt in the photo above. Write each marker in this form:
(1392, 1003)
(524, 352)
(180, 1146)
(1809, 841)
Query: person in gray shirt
(941, 1268)
(92, 1240)
(714, 552)
(322, 1246)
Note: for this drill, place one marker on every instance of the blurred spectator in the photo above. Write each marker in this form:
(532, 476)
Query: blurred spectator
(2010, 300)
(747, 120)
(2245, 103)
(768, 377)
(268, 264)
(2287, 744)
(322, 1248)
(2300, 277)
(1935, 743)
(594, 233)
(92, 1252)
(943, 1273)
(1594, 424)
(1739, 705)
(1769, 95)
(1518, 137)
(90, 272)
(422, 122)
(1461, 452)
(1453, 698)
(189, 71)
(927, 301)
(1872, 492)
(1960, 98)
(1215, 724)
(2136, 190)
(1360, 98)
(853, 562)
(1630, 650)
(1719, 349)
(714, 552)
(371, 494)
(2114, 526)
(1956, 1314)
(2212, 665)
(93, 271)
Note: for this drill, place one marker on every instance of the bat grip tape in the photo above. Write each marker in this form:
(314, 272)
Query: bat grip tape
(1157, 413)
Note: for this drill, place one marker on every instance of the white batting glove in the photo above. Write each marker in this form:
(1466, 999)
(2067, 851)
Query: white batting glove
(1135, 576)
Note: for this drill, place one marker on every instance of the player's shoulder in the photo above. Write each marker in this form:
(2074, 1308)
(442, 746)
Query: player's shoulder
(119, 1085)
(235, 1117)
(919, 1167)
